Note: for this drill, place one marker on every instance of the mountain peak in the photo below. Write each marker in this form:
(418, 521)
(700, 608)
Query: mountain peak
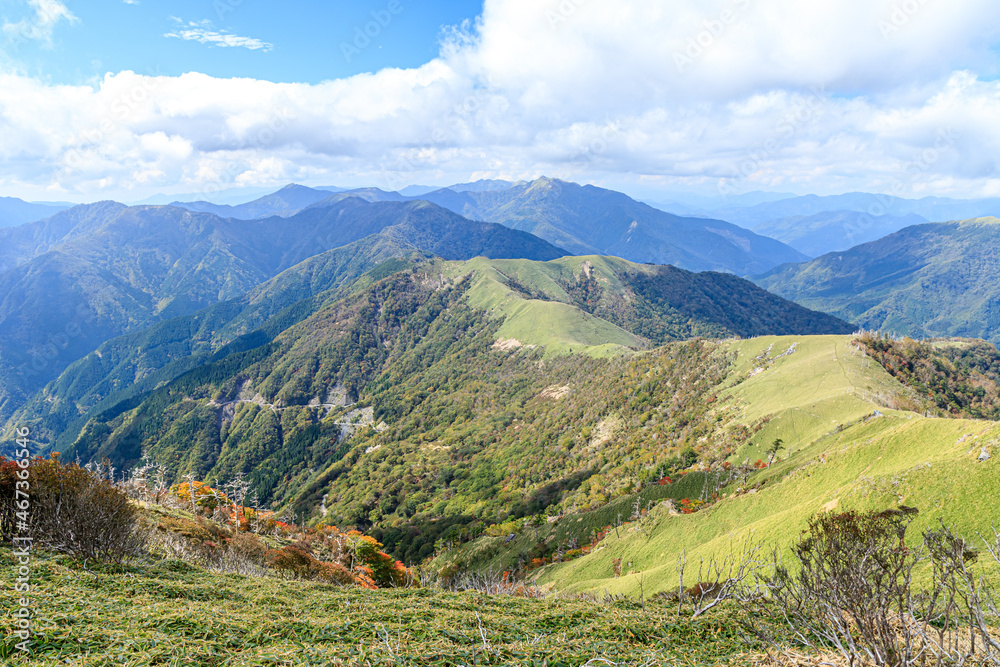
(546, 183)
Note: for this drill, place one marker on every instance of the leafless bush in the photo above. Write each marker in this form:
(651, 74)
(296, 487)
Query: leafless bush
(242, 554)
(146, 483)
(82, 513)
(954, 612)
(490, 582)
(854, 591)
(733, 577)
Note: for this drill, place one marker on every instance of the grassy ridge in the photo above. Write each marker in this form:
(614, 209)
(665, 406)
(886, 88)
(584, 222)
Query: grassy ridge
(823, 384)
(873, 463)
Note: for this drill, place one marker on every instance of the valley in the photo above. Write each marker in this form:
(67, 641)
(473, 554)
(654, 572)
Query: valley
(502, 417)
(500, 332)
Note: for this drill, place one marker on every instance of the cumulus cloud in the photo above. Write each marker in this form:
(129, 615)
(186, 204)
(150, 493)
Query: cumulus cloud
(47, 14)
(204, 32)
(719, 94)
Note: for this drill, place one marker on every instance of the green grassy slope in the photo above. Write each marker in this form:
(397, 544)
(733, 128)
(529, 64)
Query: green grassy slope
(544, 314)
(823, 384)
(603, 304)
(876, 462)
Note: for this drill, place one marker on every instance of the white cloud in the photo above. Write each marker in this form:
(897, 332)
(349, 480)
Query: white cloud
(204, 33)
(776, 96)
(47, 14)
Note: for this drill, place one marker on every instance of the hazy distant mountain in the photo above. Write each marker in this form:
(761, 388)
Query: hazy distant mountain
(590, 220)
(373, 194)
(101, 270)
(936, 279)
(681, 203)
(230, 196)
(482, 185)
(20, 244)
(831, 231)
(417, 190)
(286, 202)
(15, 211)
(934, 209)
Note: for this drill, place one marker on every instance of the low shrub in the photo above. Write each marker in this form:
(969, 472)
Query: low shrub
(70, 510)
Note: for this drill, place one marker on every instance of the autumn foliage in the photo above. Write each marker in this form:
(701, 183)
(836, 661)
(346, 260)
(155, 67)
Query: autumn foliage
(342, 558)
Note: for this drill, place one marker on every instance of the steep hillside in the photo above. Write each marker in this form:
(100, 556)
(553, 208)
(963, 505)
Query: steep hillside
(923, 281)
(572, 301)
(843, 449)
(587, 220)
(21, 244)
(960, 377)
(106, 269)
(139, 361)
(439, 364)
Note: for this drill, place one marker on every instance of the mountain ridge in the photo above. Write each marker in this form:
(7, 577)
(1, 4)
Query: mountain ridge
(923, 281)
(127, 267)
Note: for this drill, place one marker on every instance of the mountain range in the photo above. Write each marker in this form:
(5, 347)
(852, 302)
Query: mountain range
(127, 298)
(399, 319)
(816, 225)
(425, 365)
(812, 225)
(581, 219)
(935, 279)
(97, 271)
(286, 202)
(585, 219)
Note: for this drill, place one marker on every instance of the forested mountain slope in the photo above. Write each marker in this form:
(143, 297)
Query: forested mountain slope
(845, 445)
(437, 362)
(95, 272)
(938, 279)
(139, 361)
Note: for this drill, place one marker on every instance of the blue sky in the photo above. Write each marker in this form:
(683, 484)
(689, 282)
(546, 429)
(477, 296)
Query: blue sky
(289, 41)
(126, 99)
